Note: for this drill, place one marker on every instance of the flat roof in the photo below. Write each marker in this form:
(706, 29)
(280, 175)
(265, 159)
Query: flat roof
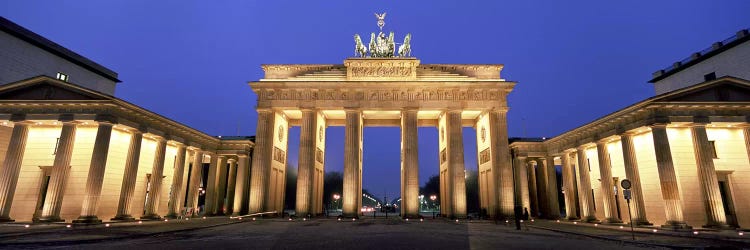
(54, 48)
(697, 57)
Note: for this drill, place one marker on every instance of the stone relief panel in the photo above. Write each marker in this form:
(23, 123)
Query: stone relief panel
(383, 94)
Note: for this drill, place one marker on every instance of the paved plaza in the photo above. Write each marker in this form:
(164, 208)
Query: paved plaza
(366, 233)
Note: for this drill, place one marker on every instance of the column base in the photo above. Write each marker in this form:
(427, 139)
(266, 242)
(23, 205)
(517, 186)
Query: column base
(91, 219)
(642, 223)
(612, 221)
(590, 219)
(151, 217)
(718, 226)
(125, 217)
(572, 218)
(677, 226)
(6, 219)
(48, 219)
(171, 216)
(411, 216)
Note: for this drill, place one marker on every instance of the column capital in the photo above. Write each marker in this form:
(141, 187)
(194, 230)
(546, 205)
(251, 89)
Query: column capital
(242, 156)
(17, 117)
(264, 110)
(105, 118)
(699, 121)
(453, 110)
(67, 118)
(301, 109)
(231, 160)
(581, 147)
(221, 156)
(410, 109)
(353, 110)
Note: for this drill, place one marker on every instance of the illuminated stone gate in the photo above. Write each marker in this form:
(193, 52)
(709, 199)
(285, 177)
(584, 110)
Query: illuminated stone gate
(395, 92)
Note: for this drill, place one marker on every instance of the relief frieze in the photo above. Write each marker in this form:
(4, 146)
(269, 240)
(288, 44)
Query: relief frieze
(382, 95)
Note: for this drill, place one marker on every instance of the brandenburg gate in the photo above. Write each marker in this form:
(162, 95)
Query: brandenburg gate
(389, 89)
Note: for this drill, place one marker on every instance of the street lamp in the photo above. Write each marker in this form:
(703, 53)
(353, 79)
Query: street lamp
(336, 198)
(433, 198)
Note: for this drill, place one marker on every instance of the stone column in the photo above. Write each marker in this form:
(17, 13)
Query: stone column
(504, 171)
(521, 182)
(231, 184)
(95, 178)
(746, 132)
(222, 186)
(552, 191)
(667, 178)
(157, 175)
(533, 200)
(352, 160)
(261, 161)
(715, 216)
(60, 171)
(409, 164)
(242, 186)
(128, 177)
(605, 171)
(11, 167)
(571, 203)
(176, 200)
(584, 190)
(306, 165)
(631, 172)
(195, 181)
(455, 147)
(541, 188)
(210, 186)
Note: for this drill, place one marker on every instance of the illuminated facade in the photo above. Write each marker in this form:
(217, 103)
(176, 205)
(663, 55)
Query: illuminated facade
(395, 92)
(686, 152)
(74, 152)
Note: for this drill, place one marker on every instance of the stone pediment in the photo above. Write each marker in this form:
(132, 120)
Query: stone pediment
(45, 88)
(722, 90)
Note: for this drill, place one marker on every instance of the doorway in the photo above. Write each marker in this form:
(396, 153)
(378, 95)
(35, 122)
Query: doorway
(43, 187)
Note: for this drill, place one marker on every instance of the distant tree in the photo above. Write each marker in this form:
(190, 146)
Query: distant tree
(431, 187)
(333, 183)
(290, 194)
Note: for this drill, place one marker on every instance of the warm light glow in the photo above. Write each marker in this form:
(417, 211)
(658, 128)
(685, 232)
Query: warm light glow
(575, 222)
(185, 219)
(507, 221)
(621, 227)
(741, 233)
(165, 220)
(655, 230)
(140, 222)
(423, 220)
(106, 225)
(68, 226)
(253, 218)
(596, 225)
(695, 232)
(26, 226)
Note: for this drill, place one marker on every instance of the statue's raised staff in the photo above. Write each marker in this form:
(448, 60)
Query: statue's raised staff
(359, 47)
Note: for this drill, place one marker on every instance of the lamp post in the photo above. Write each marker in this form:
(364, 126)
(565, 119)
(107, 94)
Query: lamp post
(336, 198)
(433, 198)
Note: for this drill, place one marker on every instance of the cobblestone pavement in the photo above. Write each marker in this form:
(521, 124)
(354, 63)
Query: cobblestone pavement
(366, 233)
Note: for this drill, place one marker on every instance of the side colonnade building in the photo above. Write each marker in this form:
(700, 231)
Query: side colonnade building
(686, 152)
(71, 151)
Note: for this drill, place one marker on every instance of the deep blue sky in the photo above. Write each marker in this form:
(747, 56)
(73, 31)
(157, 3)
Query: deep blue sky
(574, 61)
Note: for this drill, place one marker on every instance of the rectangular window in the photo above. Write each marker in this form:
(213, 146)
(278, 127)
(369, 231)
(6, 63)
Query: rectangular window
(712, 144)
(709, 76)
(62, 77)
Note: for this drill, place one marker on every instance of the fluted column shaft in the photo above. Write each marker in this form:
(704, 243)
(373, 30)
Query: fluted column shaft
(541, 188)
(128, 178)
(157, 173)
(715, 216)
(222, 187)
(605, 171)
(210, 201)
(533, 199)
(176, 200)
(746, 133)
(242, 186)
(409, 164)
(571, 203)
(631, 172)
(584, 188)
(351, 198)
(521, 191)
(95, 178)
(60, 171)
(231, 184)
(306, 165)
(195, 180)
(503, 172)
(261, 166)
(456, 162)
(552, 191)
(670, 191)
(11, 167)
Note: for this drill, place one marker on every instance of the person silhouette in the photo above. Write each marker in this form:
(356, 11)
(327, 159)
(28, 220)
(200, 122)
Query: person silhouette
(525, 214)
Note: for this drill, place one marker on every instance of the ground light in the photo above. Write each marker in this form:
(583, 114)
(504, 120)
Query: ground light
(695, 232)
(558, 221)
(621, 227)
(140, 222)
(407, 219)
(106, 225)
(741, 233)
(421, 220)
(596, 225)
(185, 219)
(655, 230)
(253, 218)
(26, 226)
(204, 217)
(575, 222)
(165, 220)
(68, 226)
